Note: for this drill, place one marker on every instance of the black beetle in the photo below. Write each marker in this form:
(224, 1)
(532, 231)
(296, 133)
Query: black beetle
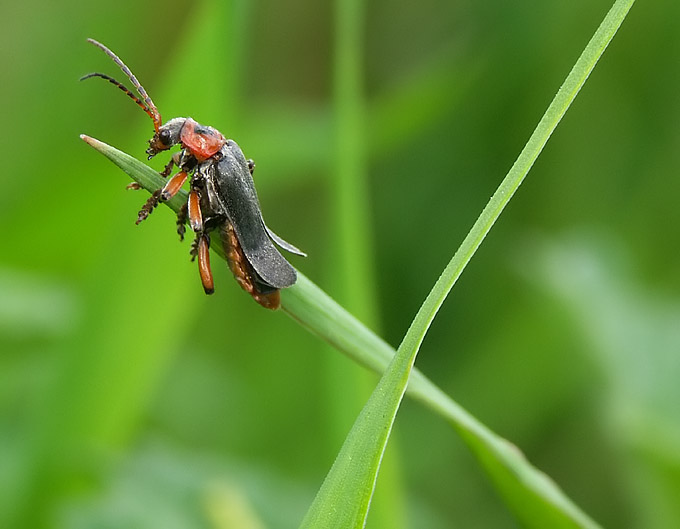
(222, 199)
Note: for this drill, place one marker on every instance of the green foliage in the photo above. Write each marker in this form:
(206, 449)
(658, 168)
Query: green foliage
(128, 399)
(345, 496)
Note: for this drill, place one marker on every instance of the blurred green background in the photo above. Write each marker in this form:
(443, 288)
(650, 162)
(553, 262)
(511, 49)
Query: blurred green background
(129, 399)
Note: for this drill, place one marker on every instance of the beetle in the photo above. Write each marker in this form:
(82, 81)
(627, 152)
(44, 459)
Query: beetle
(222, 198)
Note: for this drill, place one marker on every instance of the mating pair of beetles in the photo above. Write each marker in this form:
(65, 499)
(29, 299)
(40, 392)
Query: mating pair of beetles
(222, 199)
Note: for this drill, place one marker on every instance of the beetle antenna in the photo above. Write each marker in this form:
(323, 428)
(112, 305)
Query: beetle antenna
(122, 87)
(149, 108)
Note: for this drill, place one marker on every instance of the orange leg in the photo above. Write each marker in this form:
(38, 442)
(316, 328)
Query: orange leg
(204, 264)
(173, 186)
(161, 195)
(195, 215)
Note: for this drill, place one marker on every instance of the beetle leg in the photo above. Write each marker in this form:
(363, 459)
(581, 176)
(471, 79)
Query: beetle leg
(133, 185)
(182, 220)
(161, 195)
(193, 252)
(195, 214)
(204, 270)
(168, 168)
(173, 186)
(176, 159)
(149, 206)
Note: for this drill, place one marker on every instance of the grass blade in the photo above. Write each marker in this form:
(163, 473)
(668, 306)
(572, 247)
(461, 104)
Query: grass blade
(345, 496)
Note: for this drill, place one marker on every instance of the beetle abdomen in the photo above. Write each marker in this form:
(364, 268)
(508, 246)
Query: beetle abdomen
(240, 267)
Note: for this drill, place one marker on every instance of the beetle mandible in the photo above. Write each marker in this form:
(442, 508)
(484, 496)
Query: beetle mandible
(222, 198)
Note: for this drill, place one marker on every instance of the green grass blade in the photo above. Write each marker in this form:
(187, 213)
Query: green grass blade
(350, 267)
(558, 107)
(352, 238)
(532, 495)
(345, 496)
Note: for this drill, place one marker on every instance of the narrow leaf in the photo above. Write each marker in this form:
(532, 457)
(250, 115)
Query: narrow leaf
(345, 496)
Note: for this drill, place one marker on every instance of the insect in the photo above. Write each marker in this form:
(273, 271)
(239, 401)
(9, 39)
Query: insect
(222, 199)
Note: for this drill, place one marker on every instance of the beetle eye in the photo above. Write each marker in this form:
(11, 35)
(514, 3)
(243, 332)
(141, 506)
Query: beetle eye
(165, 137)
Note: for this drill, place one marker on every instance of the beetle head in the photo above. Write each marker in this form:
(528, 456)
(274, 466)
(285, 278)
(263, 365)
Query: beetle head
(166, 136)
